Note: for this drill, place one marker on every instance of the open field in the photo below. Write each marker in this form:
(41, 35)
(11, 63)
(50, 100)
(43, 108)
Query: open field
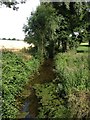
(13, 45)
(83, 47)
(86, 44)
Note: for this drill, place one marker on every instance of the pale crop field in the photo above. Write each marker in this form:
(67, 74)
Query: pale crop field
(13, 45)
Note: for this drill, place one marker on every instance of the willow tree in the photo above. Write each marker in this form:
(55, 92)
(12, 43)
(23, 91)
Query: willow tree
(41, 27)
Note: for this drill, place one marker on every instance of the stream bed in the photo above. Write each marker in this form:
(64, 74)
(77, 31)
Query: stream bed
(30, 102)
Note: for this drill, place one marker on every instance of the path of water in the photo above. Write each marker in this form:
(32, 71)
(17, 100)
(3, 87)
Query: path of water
(31, 103)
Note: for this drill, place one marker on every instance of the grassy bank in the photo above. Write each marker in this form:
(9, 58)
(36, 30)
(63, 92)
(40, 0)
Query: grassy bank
(68, 95)
(73, 72)
(16, 71)
(73, 69)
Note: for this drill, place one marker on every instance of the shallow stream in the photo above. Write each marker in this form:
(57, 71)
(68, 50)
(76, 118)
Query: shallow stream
(30, 101)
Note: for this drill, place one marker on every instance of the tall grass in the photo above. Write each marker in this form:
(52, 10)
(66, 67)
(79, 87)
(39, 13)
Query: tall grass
(73, 71)
(73, 68)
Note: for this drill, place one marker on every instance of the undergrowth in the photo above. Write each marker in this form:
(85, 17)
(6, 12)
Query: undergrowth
(73, 72)
(68, 95)
(16, 71)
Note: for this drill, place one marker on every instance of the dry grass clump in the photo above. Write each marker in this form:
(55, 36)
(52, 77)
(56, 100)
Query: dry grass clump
(79, 104)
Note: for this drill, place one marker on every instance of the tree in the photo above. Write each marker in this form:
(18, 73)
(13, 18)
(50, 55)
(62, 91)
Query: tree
(9, 38)
(12, 3)
(88, 21)
(13, 38)
(52, 23)
(62, 30)
(80, 19)
(41, 28)
(3, 38)
(76, 16)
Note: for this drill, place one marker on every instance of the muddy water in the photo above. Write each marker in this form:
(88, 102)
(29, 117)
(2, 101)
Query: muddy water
(30, 102)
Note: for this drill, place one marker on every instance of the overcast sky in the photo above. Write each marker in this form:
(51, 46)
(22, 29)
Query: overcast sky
(11, 21)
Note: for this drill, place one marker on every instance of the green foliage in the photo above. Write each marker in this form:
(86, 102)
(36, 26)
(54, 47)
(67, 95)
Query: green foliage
(76, 18)
(41, 28)
(12, 3)
(15, 74)
(63, 32)
(74, 72)
(72, 69)
(51, 105)
(69, 94)
(51, 24)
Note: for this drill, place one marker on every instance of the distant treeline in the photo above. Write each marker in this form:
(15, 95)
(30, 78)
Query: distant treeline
(8, 39)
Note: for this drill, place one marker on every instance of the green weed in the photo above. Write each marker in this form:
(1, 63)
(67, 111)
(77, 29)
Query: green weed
(15, 74)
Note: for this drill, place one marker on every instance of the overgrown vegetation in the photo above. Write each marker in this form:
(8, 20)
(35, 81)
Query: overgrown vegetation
(73, 72)
(50, 26)
(69, 94)
(54, 29)
(15, 74)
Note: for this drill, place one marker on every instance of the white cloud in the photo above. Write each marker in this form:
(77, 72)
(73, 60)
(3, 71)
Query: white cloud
(11, 22)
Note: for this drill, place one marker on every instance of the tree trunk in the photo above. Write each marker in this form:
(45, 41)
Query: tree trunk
(51, 50)
(64, 46)
(58, 44)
